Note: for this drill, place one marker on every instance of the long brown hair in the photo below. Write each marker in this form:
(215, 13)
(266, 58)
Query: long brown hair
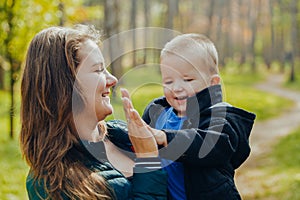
(48, 134)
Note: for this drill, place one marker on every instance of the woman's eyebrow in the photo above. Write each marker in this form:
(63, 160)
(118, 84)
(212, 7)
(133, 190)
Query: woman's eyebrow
(98, 64)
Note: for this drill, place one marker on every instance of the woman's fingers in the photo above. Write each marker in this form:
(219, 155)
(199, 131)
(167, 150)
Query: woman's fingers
(125, 93)
(135, 116)
(126, 107)
(141, 137)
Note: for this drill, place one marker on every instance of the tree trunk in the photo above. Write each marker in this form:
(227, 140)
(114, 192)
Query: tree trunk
(171, 13)
(61, 8)
(1, 77)
(111, 27)
(133, 27)
(8, 55)
(272, 27)
(294, 12)
(146, 23)
(253, 28)
(280, 48)
(12, 97)
(243, 44)
(210, 15)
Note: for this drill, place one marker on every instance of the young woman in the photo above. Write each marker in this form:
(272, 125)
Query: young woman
(65, 98)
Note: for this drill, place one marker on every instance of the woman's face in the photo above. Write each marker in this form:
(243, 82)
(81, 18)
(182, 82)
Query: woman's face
(95, 81)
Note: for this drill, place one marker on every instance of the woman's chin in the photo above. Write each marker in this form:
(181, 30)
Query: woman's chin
(106, 113)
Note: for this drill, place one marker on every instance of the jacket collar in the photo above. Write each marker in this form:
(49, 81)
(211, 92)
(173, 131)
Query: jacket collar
(203, 100)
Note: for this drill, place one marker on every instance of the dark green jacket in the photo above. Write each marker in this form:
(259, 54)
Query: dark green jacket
(144, 184)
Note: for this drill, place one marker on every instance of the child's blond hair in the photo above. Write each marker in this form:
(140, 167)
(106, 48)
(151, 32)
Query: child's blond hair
(200, 44)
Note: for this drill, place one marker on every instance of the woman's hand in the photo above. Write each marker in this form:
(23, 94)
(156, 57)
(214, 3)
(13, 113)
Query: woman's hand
(139, 132)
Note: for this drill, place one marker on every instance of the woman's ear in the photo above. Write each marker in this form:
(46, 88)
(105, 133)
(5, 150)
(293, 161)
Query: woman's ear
(215, 79)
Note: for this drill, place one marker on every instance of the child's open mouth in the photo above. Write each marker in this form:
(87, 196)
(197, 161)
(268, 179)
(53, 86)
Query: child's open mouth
(181, 98)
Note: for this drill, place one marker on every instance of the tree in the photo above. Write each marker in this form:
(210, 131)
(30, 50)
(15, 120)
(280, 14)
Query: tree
(11, 30)
(294, 29)
(111, 27)
(16, 26)
(146, 24)
(133, 27)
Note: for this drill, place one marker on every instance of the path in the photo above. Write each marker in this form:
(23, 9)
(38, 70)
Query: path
(264, 134)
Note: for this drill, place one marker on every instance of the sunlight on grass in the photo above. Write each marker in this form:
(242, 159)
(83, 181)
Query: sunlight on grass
(256, 101)
(293, 85)
(13, 169)
(239, 91)
(279, 177)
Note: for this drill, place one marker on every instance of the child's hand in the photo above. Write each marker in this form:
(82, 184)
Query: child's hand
(160, 136)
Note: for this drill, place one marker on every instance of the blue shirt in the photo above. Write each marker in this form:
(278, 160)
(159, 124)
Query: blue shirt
(169, 120)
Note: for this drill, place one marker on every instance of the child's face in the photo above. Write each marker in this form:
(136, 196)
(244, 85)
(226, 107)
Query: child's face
(182, 78)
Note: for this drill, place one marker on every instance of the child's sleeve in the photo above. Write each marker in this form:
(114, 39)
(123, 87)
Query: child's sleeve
(205, 148)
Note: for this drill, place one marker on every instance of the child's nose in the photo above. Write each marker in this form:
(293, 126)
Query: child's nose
(177, 86)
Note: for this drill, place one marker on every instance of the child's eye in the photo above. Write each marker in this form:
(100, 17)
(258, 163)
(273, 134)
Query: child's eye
(168, 82)
(188, 80)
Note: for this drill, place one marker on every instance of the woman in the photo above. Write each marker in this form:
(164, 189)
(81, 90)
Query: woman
(65, 98)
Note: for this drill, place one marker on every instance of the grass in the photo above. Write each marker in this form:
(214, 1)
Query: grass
(280, 174)
(285, 161)
(239, 91)
(13, 169)
(293, 85)
(144, 85)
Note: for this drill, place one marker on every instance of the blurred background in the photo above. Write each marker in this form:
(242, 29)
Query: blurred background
(258, 43)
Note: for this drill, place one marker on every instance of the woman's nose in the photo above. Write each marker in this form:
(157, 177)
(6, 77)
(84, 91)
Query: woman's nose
(111, 80)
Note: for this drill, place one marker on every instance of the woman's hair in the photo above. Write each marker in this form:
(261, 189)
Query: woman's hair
(199, 44)
(48, 136)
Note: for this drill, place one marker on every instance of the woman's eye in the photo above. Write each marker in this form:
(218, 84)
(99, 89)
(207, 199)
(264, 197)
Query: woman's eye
(100, 70)
(188, 79)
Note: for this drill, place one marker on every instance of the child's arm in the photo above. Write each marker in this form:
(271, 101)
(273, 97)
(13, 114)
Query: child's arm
(201, 147)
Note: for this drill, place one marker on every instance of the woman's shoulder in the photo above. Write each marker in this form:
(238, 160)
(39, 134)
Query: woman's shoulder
(35, 188)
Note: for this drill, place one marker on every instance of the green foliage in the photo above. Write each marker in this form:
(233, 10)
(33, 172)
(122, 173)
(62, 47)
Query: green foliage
(23, 19)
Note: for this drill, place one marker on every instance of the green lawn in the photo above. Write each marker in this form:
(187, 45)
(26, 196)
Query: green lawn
(293, 85)
(144, 85)
(279, 176)
(239, 91)
(13, 169)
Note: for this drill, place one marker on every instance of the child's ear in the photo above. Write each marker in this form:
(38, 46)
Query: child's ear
(215, 79)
